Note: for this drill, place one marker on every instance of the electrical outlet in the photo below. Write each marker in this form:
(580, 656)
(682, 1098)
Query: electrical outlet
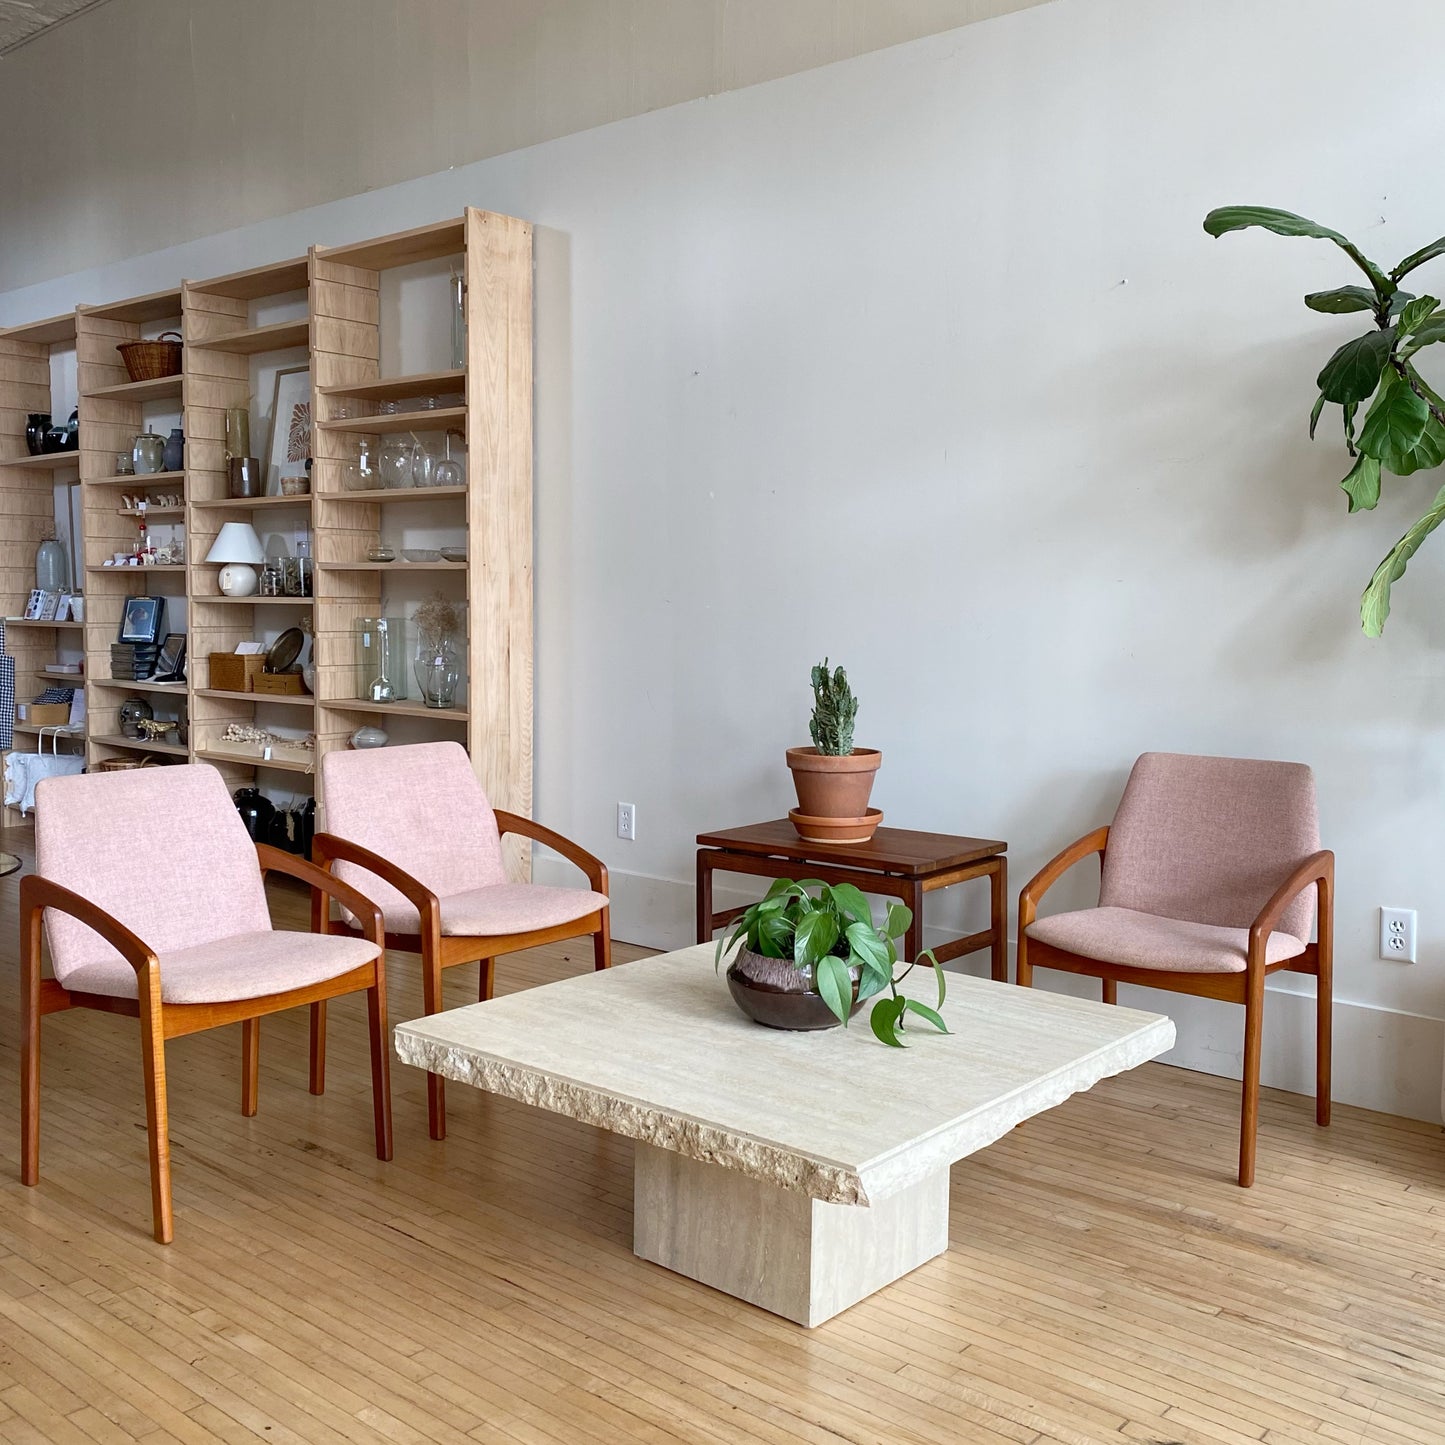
(627, 828)
(1397, 934)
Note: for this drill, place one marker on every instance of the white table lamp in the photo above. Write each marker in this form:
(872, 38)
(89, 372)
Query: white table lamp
(238, 549)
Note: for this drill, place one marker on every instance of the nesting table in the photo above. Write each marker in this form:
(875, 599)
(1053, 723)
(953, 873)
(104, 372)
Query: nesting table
(895, 862)
(798, 1171)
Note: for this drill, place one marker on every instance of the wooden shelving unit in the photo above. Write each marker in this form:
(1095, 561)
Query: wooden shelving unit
(226, 327)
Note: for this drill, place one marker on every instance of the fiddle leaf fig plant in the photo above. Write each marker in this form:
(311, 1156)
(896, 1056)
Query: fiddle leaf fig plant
(1403, 430)
(831, 933)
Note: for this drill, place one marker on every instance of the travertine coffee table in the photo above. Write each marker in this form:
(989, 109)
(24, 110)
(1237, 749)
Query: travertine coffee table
(800, 1172)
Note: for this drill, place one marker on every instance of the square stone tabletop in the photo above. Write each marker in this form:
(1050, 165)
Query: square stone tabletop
(656, 1050)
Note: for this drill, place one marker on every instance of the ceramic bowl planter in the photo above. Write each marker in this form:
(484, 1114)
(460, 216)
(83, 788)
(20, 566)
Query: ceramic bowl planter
(777, 993)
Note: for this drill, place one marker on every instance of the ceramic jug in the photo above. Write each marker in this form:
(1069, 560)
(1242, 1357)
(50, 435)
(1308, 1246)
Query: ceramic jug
(173, 459)
(37, 423)
(149, 452)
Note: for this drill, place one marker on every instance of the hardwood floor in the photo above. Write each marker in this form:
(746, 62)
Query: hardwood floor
(1107, 1280)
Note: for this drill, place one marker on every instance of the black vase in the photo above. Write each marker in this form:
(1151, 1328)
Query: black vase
(72, 432)
(257, 812)
(37, 423)
(173, 459)
(54, 440)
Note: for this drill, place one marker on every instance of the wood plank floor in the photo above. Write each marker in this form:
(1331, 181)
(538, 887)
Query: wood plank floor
(1106, 1281)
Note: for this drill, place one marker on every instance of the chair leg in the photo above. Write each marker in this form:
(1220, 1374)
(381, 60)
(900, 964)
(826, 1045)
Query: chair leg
(436, 1099)
(1111, 990)
(1249, 1113)
(1023, 969)
(30, 1050)
(250, 1065)
(153, 1062)
(486, 974)
(318, 1047)
(1324, 1003)
(380, 1065)
(602, 942)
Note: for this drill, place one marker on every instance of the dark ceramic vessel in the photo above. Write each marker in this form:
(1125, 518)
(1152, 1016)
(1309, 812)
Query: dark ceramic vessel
(257, 812)
(777, 994)
(37, 423)
(173, 459)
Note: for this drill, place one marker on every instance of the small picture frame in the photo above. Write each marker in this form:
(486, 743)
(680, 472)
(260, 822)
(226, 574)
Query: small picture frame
(290, 427)
(35, 606)
(49, 606)
(62, 608)
(140, 619)
(171, 663)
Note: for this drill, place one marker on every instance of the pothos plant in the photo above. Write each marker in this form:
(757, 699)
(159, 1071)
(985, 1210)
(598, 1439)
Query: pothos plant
(830, 933)
(1404, 429)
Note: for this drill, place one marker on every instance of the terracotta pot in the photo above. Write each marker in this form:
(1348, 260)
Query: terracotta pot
(833, 787)
(778, 994)
(836, 830)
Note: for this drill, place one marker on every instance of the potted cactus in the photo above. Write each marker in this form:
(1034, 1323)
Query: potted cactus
(833, 778)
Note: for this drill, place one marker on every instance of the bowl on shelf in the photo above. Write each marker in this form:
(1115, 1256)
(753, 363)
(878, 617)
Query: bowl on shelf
(422, 554)
(295, 486)
(454, 554)
(381, 554)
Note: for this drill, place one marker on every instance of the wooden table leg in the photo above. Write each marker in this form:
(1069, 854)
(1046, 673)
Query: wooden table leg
(704, 895)
(998, 918)
(912, 895)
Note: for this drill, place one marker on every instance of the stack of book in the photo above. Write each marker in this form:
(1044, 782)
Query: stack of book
(133, 661)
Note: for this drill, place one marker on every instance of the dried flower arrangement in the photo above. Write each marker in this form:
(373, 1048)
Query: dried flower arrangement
(435, 620)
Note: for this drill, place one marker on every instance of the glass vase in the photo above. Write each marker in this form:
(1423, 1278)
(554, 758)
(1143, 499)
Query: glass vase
(437, 671)
(380, 659)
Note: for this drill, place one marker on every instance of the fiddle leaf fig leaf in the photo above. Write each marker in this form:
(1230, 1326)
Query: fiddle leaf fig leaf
(1418, 258)
(1286, 223)
(1375, 600)
(1395, 422)
(835, 984)
(1416, 314)
(1319, 406)
(1353, 372)
(1362, 486)
(1342, 299)
(1426, 334)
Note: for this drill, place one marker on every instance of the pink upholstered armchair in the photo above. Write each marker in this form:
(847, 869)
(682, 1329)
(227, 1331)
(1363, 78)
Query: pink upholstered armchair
(153, 903)
(412, 828)
(1210, 873)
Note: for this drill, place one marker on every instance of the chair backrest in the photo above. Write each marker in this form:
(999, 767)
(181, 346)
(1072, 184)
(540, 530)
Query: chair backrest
(161, 849)
(419, 806)
(1208, 840)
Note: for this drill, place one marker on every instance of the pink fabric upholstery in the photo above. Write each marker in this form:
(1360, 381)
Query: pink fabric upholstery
(511, 908)
(161, 849)
(249, 965)
(1208, 840)
(1144, 940)
(420, 807)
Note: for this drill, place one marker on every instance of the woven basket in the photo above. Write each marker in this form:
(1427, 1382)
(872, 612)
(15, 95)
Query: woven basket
(147, 360)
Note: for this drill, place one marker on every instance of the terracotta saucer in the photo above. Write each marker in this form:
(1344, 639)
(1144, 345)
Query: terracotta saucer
(836, 830)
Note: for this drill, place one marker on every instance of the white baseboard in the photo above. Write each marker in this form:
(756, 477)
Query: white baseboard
(1383, 1059)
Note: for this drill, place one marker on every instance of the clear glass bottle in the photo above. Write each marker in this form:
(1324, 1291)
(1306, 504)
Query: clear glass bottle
(380, 659)
(459, 320)
(437, 671)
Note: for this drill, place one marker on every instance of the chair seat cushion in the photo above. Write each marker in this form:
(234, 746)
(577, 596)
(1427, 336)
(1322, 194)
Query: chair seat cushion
(248, 965)
(501, 908)
(1165, 945)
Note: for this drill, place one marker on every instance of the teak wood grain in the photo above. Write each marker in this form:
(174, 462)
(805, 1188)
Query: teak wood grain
(890, 850)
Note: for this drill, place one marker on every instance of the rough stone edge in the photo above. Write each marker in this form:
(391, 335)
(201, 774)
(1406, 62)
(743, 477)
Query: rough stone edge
(831, 1183)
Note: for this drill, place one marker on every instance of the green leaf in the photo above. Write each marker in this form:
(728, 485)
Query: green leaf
(1416, 314)
(1418, 258)
(1319, 406)
(815, 936)
(1341, 300)
(1394, 423)
(898, 921)
(872, 980)
(1286, 223)
(1426, 334)
(774, 936)
(852, 903)
(884, 1021)
(1375, 600)
(1353, 372)
(782, 888)
(867, 947)
(923, 1011)
(1362, 486)
(928, 956)
(1350, 408)
(835, 985)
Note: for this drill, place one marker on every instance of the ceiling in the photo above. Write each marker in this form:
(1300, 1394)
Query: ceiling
(22, 20)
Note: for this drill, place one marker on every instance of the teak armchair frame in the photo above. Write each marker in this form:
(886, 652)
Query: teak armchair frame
(1246, 988)
(440, 951)
(161, 1021)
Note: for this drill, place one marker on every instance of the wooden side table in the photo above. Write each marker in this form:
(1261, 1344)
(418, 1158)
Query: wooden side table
(896, 863)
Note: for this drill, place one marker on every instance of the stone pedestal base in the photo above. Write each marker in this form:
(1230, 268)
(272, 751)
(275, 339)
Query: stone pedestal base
(776, 1248)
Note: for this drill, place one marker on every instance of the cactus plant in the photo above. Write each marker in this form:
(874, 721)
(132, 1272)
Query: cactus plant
(834, 708)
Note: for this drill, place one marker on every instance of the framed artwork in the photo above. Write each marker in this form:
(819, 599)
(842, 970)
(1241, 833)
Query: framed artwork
(141, 620)
(62, 610)
(35, 606)
(290, 427)
(171, 663)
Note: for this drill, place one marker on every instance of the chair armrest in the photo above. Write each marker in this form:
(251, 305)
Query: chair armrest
(1317, 868)
(590, 864)
(274, 860)
(328, 849)
(37, 894)
(1055, 869)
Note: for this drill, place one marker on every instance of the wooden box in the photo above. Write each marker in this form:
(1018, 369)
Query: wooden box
(234, 672)
(284, 684)
(46, 714)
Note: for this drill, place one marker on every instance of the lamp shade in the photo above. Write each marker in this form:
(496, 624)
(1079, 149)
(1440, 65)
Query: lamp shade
(236, 542)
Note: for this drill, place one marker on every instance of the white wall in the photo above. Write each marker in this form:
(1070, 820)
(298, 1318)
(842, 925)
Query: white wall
(923, 361)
